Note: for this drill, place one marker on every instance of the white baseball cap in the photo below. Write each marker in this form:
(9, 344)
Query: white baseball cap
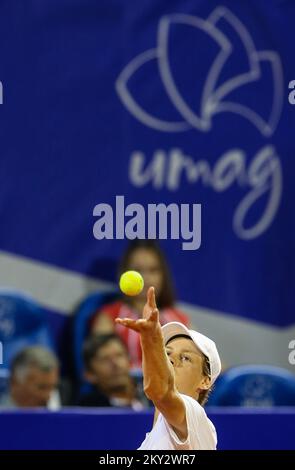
(205, 344)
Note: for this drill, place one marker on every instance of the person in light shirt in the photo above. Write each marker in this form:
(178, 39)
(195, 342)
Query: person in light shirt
(179, 368)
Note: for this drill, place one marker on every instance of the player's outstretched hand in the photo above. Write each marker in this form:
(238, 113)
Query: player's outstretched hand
(150, 316)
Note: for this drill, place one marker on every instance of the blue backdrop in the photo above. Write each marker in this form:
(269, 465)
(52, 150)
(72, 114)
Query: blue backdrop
(179, 101)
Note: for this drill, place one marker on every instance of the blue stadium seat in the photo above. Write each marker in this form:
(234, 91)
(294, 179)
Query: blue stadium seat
(23, 322)
(81, 322)
(254, 385)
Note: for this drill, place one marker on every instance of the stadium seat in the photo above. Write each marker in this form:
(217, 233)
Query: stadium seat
(254, 385)
(81, 325)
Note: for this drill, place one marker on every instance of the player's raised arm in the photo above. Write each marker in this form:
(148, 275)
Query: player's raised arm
(159, 384)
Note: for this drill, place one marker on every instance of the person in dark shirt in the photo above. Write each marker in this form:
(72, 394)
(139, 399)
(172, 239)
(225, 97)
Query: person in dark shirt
(107, 369)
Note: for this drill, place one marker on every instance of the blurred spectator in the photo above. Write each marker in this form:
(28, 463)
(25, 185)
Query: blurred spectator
(107, 368)
(34, 378)
(146, 257)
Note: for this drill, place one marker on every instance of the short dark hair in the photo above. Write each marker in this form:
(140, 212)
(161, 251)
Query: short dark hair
(166, 297)
(94, 343)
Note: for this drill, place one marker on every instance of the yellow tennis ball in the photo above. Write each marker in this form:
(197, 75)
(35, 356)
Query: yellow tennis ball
(131, 283)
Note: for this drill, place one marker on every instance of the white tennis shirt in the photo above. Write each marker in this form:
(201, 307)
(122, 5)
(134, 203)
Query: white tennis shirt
(201, 431)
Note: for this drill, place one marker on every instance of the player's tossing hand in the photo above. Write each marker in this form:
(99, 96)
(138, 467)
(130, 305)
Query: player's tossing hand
(150, 316)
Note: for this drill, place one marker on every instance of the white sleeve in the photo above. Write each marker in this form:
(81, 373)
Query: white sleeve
(201, 432)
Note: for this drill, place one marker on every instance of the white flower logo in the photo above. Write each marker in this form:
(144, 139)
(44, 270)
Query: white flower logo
(218, 95)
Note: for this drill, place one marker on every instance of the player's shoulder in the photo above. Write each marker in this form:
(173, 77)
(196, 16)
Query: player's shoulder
(197, 415)
(193, 408)
(202, 433)
(192, 403)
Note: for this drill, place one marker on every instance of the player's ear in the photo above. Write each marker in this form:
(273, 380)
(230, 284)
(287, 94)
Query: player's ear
(205, 383)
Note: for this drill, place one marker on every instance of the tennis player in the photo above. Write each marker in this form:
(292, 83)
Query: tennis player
(179, 368)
